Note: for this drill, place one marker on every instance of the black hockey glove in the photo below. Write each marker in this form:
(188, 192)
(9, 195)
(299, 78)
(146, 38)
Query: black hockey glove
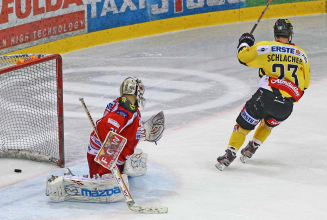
(246, 38)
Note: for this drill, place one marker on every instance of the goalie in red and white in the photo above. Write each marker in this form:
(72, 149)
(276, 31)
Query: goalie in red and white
(123, 117)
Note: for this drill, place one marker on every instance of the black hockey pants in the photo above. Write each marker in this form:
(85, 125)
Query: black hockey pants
(265, 105)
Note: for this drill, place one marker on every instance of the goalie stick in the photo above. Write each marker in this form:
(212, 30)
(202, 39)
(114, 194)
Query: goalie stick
(256, 24)
(127, 196)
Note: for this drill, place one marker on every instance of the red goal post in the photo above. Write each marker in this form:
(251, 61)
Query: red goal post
(31, 108)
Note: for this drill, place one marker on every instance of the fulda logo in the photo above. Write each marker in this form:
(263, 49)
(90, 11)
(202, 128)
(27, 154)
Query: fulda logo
(19, 11)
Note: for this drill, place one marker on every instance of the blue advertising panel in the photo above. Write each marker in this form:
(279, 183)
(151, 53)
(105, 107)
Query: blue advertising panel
(106, 14)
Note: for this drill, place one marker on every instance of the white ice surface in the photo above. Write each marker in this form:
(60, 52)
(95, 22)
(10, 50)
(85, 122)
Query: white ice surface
(199, 71)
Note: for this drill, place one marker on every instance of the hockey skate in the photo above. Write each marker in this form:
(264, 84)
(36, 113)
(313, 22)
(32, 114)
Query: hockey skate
(226, 160)
(248, 151)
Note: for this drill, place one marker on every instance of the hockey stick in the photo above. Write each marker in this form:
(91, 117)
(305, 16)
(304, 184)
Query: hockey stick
(256, 24)
(127, 196)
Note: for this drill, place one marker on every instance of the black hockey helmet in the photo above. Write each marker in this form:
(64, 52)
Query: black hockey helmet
(283, 28)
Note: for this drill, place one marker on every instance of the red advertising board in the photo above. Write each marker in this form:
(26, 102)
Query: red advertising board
(39, 19)
(41, 29)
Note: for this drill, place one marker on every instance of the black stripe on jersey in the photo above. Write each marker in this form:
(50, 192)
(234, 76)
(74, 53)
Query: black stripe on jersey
(241, 48)
(261, 72)
(242, 62)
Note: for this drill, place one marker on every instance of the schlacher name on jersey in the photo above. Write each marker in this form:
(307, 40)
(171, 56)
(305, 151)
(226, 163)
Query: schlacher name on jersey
(284, 58)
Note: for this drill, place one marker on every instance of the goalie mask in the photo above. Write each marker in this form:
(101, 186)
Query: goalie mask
(133, 85)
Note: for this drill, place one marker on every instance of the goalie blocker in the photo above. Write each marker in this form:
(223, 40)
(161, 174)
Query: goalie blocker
(111, 149)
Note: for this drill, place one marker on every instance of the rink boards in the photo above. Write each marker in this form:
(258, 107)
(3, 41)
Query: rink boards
(68, 25)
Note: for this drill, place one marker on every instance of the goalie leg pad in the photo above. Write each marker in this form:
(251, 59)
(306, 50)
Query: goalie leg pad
(55, 188)
(81, 189)
(136, 164)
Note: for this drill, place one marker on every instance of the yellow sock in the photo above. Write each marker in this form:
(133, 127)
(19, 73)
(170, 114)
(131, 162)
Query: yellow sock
(238, 137)
(262, 132)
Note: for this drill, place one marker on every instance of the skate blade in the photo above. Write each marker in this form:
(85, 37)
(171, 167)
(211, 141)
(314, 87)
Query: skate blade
(244, 158)
(220, 166)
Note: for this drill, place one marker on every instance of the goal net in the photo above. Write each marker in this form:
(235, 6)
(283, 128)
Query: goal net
(31, 108)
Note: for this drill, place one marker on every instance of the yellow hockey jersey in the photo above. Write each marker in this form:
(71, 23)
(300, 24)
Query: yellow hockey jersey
(276, 60)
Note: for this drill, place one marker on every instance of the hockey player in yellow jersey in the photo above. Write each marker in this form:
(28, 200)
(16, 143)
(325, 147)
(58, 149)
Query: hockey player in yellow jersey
(284, 72)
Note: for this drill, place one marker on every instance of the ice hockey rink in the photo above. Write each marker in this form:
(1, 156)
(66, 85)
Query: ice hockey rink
(193, 76)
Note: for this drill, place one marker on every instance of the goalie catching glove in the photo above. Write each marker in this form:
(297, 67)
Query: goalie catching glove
(153, 128)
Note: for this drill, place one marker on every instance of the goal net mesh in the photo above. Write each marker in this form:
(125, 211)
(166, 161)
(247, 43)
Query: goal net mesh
(31, 123)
